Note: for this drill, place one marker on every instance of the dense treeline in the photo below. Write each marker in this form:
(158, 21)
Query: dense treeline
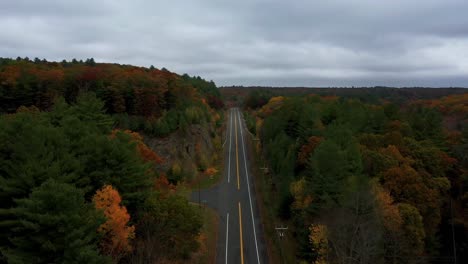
(256, 95)
(368, 183)
(155, 101)
(73, 190)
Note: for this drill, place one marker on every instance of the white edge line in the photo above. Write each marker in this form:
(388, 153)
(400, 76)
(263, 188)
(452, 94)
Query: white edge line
(248, 190)
(226, 135)
(230, 145)
(227, 236)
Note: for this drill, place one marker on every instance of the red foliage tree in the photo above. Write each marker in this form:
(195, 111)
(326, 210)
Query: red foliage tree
(307, 149)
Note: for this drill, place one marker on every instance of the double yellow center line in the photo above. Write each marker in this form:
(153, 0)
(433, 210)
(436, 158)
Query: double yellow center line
(238, 188)
(240, 231)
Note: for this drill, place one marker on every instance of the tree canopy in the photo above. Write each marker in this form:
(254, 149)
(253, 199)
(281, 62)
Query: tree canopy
(385, 171)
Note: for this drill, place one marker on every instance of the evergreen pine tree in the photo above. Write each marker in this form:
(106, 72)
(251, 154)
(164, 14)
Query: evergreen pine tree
(56, 226)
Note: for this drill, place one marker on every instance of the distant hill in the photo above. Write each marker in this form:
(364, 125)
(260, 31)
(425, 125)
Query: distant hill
(155, 101)
(124, 88)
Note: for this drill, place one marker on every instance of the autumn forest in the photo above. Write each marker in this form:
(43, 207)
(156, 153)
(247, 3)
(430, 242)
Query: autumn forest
(78, 184)
(362, 181)
(97, 161)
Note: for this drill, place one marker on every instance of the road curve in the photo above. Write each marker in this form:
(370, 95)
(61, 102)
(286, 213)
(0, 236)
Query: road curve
(240, 235)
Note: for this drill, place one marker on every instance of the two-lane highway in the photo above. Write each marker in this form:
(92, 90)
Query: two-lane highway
(240, 238)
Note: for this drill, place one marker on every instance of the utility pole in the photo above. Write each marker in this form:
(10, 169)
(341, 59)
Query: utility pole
(281, 230)
(266, 173)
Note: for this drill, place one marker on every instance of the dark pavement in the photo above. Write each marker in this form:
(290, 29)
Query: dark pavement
(240, 236)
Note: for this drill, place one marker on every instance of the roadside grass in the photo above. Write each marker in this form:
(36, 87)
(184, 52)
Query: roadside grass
(208, 237)
(204, 181)
(201, 181)
(280, 250)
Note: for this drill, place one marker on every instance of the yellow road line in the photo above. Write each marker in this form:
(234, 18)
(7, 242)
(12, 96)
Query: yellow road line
(237, 156)
(241, 239)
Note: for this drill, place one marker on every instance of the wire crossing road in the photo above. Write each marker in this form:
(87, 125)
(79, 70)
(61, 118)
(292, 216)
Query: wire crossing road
(240, 236)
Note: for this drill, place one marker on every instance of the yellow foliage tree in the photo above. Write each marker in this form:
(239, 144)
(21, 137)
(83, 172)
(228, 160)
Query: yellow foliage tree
(274, 103)
(318, 238)
(301, 199)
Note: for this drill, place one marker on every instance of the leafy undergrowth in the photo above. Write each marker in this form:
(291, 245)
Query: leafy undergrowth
(206, 253)
(208, 237)
(203, 179)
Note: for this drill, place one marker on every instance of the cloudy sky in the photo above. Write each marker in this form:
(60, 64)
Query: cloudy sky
(253, 42)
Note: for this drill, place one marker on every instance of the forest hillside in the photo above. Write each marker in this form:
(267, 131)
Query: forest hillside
(79, 182)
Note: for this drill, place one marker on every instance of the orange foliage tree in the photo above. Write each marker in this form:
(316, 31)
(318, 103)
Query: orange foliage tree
(388, 210)
(211, 171)
(162, 185)
(116, 232)
(146, 153)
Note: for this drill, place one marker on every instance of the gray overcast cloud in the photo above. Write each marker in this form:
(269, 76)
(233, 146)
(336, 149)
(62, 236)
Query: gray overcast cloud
(253, 42)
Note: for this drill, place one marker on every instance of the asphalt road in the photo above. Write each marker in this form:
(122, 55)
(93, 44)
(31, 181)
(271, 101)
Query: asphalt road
(240, 235)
